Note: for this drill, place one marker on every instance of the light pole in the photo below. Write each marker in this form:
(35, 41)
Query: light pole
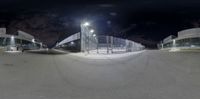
(84, 35)
(91, 34)
(33, 41)
(174, 43)
(87, 35)
(12, 41)
(161, 45)
(86, 24)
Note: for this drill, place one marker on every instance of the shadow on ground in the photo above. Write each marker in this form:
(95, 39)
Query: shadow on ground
(48, 52)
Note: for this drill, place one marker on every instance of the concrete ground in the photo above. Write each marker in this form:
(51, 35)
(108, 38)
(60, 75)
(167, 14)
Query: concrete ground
(147, 75)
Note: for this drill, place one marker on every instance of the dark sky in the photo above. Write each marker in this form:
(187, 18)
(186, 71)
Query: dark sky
(146, 21)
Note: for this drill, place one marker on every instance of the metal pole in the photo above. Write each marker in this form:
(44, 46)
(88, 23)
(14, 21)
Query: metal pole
(88, 39)
(111, 44)
(107, 44)
(97, 45)
(126, 45)
(174, 43)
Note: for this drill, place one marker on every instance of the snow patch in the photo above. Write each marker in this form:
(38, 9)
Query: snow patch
(104, 56)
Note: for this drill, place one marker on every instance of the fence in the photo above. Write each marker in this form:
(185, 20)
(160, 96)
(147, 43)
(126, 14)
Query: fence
(87, 41)
(110, 44)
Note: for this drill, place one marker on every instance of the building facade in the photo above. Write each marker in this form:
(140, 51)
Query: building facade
(20, 42)
(189, 38)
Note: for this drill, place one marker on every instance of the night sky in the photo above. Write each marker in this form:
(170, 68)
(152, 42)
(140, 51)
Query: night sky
(144, 21)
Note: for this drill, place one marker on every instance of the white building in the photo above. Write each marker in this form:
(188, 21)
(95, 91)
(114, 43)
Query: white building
(189, 38)
(22, 41)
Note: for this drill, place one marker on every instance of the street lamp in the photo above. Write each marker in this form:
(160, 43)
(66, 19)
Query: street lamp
(12, 40)
(86, 24)
(91, 31)
(33, 40)
(12, 37)
(72, 43)
(12, 43)
(94, 35)
(174, 43)
(90, 38)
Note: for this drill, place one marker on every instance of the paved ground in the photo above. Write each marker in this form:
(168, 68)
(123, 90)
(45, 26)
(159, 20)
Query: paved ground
(148, 75)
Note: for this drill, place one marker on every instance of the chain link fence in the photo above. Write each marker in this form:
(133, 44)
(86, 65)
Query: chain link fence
(88, 41)
(110, 44)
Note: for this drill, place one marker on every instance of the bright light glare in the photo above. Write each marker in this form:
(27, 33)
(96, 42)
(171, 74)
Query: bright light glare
(174, 42)
(12, 40)
(92, 31)
(72, 43)
(33, 40)
(86, 24)
(12, 37)
(94, 35)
